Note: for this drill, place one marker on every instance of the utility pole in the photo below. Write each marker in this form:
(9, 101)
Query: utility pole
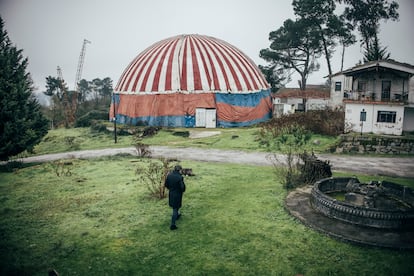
(113, 103)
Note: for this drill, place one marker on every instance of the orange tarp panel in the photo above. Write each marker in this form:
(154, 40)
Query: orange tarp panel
(232, 113)
(162, 104)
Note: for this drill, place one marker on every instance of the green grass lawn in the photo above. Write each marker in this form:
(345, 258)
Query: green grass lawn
(64, 139)
(99, 220)
(61, 140)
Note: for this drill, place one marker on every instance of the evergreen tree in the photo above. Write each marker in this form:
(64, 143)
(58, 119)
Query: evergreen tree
(22, 125)
(276, 77)
(366, 15)
(332, 27)
(376, 52)
(294, 46)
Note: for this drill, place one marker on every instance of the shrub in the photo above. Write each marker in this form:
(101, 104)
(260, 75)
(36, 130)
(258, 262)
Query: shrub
(324, 122)
(71, 142)
(146, 132)
(154, 174)
(299, 169)
(143, 150)
(62, 168)
(289, 141)
(93, 115)
(98, 126)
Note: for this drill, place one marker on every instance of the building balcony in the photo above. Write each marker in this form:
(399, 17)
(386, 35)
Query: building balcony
(393, 97)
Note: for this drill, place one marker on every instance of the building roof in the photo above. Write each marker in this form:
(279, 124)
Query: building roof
(191, 63)
(388, 64)
(310, 93)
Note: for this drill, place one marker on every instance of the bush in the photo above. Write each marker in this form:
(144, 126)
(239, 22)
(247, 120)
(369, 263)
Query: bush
(146, 132)
(290, 141)
(154, 174)
(98, 126)
(88, 119)
(324, 122)
(71, 142)
(143, 150)
(299, 169)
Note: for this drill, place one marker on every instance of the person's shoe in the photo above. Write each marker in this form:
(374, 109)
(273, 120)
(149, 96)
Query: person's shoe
(173, 227)
(178, 217)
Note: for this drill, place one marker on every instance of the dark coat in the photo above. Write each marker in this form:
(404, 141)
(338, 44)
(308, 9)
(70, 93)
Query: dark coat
(175, 184)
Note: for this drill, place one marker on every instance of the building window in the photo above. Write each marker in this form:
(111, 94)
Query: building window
(362, 86)
(348, 83)
(386, 116)
(338, 86)
(386, 90)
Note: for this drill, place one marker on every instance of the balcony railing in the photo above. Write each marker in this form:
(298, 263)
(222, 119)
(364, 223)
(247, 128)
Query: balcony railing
(394, 96)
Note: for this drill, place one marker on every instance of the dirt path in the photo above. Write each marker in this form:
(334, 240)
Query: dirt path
(396, 166)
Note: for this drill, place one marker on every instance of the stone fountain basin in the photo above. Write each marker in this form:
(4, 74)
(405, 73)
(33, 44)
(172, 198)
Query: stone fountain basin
(392, 218)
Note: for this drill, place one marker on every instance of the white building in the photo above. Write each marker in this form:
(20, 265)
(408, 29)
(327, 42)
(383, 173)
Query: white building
(378, 97)
(289, 100)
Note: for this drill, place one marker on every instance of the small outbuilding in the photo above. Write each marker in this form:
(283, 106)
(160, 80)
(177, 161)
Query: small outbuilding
(290, 100)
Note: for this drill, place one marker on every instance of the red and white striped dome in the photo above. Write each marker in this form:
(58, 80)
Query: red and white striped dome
(191, 63)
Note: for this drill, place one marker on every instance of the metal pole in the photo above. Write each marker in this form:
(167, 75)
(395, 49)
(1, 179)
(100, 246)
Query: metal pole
(362, 124)
(115, 138)
(362, 118)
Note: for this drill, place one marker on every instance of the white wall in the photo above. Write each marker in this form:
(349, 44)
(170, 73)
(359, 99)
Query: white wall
(353, 123)
(290, 101)
(317, 104)
(411, 91)
(280, 109)
(338, 96)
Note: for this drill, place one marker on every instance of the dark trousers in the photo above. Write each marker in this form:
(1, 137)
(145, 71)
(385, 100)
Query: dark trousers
(174, 216)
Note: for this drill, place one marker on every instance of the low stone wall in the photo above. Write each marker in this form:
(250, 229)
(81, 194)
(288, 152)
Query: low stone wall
(364, 216)
(375, 144)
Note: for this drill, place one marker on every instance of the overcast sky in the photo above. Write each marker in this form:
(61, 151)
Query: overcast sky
(51, 32)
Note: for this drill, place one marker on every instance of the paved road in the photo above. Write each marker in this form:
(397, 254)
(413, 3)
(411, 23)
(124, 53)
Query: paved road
(396, 166)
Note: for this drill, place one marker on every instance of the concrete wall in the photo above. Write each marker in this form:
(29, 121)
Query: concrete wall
(337, 97)
(353, 123)
(311, 103)
(280, 109)
(317, 104)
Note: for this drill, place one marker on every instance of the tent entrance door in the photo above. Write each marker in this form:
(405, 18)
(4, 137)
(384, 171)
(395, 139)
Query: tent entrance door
(210, 118)
(200, 117)
(205, 117)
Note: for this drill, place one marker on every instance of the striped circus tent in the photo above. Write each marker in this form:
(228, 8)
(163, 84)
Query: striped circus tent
(192, 81)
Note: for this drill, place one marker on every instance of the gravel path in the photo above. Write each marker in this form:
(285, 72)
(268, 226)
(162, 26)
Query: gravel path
(395, 166)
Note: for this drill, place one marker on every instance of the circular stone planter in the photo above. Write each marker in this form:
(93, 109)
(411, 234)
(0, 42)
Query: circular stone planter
(360, 214)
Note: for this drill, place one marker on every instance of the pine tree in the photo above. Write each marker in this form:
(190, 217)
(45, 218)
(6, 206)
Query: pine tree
(22, 125)
(376, 52)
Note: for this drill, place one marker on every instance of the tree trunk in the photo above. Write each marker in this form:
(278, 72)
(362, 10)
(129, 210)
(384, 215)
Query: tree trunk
(342, 56)
(327, 55)
(303, 82)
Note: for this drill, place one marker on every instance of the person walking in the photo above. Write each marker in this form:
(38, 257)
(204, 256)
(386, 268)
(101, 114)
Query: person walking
(176, 186)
